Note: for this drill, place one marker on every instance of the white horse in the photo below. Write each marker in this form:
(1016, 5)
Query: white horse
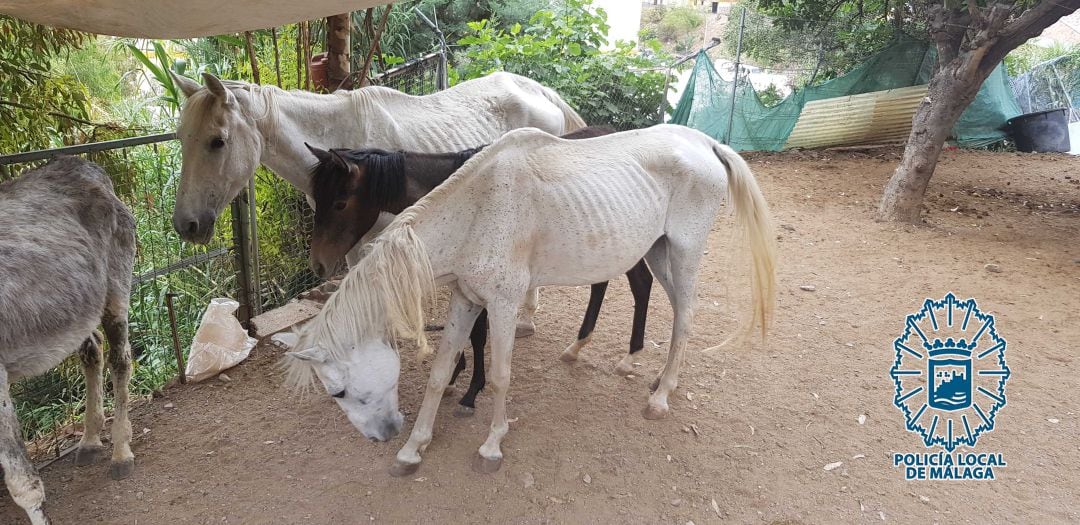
(530, 210)
(228, 128)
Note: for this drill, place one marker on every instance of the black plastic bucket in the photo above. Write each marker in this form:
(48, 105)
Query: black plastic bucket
(1041, 132)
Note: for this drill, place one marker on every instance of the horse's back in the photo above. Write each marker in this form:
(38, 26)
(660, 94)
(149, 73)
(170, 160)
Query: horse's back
(62, 231)
(470, 114)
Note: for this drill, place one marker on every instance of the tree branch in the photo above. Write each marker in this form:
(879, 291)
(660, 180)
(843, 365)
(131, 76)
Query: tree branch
(54, 114)
(1030, 24)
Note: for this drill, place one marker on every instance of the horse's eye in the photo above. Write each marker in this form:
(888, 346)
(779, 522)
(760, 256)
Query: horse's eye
(339, 205)
(217, 143)
(338, 395)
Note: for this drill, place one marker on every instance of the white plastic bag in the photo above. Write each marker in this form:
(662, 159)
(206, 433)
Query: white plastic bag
(220, 343)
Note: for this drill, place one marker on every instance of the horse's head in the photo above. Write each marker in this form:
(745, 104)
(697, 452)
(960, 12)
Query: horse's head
(363, 382)
(350, 189)
(220, 147)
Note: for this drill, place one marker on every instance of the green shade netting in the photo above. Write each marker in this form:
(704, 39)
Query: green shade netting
(706, 100)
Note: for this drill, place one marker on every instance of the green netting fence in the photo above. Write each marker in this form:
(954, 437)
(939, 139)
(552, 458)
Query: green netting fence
(707, 104)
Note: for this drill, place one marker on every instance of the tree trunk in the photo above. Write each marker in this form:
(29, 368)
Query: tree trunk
(970, 42)
(338, 30)
(948, 95)
(249, 45)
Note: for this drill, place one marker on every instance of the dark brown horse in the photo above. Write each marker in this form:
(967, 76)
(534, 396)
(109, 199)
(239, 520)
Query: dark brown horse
(352, 187)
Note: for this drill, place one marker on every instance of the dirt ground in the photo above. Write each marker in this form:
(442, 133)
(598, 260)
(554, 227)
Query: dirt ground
(751, 427)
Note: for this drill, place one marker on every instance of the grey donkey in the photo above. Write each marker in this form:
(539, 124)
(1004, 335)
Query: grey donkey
(67, 249)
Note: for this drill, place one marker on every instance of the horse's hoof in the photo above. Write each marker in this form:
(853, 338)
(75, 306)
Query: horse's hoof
(464, 411)
(654, 413)
(401, 469)
(88, 455)
(524, 330)
(567, 356)
(122, 469)
(484, 465)
(625, 369)
(37, 516)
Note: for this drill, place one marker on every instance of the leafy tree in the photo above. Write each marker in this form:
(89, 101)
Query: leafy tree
(39, 108)
(971, 38)
(561, 49)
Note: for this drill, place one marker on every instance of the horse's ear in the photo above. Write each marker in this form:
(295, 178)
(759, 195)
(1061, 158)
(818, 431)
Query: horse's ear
(314, 355)
(339, 158)
(187, 86)
(218, 89)
(321, 154)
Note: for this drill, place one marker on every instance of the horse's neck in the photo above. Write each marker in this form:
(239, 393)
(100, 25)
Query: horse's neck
(327, 121)
(425, 171)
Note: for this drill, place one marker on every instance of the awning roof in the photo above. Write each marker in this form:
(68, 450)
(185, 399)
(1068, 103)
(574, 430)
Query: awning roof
(175, 18)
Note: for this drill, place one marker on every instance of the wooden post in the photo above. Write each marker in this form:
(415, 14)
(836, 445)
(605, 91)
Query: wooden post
(250, 46)
(338, 43)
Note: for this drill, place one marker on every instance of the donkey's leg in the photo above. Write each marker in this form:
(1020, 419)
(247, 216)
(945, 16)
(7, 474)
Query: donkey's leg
(683, 260)
(459, 320)
(478, 338)
(23, 482)
(115, 322)
(640, 286)
(501, 314)
(592, 312)
(525, 325)
(90, 448)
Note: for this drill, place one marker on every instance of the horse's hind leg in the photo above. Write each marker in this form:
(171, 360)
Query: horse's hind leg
(678, 276)
(526, 326)
(641, 287)
(115, 322)
(478, 338)
(458, 368)
(22, 480)
(90, 448)
(596, 299)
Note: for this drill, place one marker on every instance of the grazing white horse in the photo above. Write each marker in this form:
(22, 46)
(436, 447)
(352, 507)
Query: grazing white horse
(228, 128)
(530, 210)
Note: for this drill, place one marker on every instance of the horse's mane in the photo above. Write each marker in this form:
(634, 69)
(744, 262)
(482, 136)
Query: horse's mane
(384, 173)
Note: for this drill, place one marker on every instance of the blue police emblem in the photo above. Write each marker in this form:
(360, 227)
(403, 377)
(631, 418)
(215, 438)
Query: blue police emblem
(950, 372)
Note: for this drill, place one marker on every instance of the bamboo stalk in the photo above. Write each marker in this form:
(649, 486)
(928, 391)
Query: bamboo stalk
(364, 80)
(277, 55)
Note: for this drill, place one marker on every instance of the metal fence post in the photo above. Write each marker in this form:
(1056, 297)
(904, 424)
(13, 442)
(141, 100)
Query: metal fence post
(735, 85)
(443, 81)
(241, 223)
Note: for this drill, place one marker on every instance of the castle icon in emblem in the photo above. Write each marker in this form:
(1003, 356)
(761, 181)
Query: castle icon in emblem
(950, 372)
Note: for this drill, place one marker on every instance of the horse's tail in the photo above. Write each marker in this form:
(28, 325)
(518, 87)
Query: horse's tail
(571, 120)
(755, 222)
(382, 296)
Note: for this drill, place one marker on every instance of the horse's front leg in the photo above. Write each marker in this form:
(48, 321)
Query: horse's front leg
(459, 323)
(526, 326)
(501, 317)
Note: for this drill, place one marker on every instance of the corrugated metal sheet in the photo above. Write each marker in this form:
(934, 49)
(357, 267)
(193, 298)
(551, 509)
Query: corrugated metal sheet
(869, 118)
